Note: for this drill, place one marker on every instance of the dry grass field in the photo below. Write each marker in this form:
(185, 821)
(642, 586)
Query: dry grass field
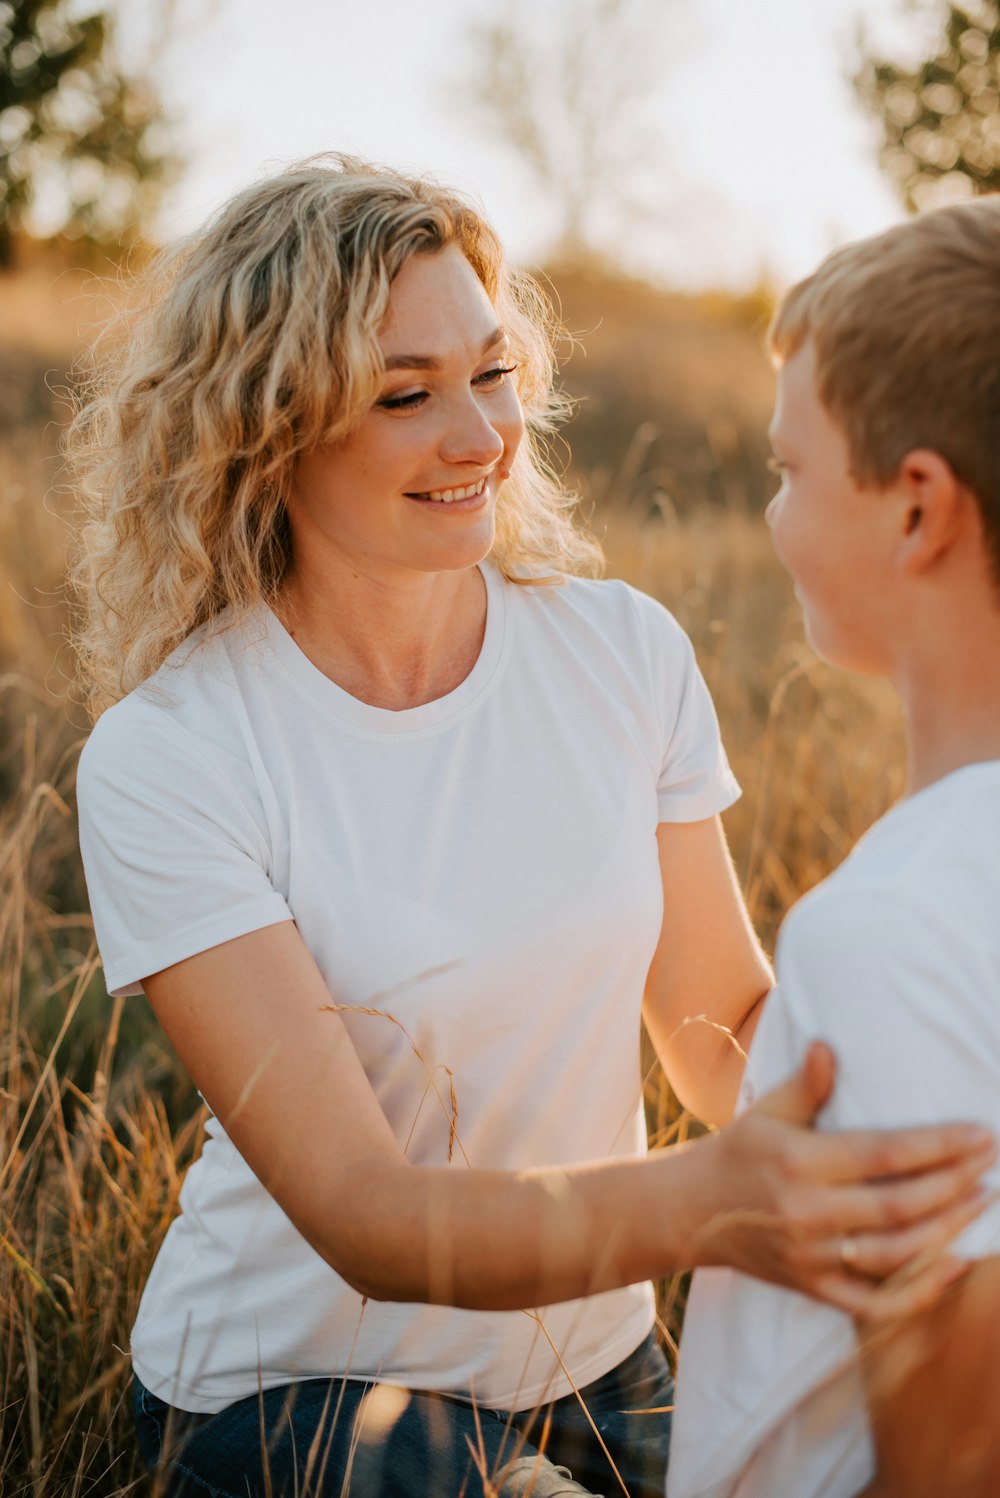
(96, 1124)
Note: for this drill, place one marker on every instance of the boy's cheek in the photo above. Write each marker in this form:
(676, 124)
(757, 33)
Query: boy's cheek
(782, 534)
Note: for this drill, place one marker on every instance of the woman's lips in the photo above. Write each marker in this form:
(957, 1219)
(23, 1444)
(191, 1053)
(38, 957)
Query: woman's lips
(466, 497)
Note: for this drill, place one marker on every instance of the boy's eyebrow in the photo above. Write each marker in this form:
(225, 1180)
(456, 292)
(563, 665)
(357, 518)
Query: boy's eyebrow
(428, 361)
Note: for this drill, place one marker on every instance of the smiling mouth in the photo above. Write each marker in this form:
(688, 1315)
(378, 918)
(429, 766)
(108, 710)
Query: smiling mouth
(450, 496)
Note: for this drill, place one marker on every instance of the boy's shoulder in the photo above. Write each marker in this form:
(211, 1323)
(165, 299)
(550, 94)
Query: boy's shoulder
(933, 852)
(895, 962)
(908, 919)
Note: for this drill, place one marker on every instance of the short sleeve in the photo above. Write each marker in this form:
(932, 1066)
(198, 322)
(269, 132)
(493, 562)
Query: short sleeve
(695, 780)
(176, 860)
(908, 1005)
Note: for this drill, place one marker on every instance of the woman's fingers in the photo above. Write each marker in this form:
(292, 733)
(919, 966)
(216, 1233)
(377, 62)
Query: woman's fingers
(861, 1219)
(873, 1154)
(862, 1154)
(878, 1206)
(875, 1256)
(900, 1296)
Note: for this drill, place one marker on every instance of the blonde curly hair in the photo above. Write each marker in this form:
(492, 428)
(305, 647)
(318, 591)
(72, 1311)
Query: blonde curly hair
(243, 347)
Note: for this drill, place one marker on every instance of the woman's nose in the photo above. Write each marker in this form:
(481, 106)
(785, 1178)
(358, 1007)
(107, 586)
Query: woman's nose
(471, 437)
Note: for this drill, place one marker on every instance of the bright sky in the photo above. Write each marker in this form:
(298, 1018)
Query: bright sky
(767, 161)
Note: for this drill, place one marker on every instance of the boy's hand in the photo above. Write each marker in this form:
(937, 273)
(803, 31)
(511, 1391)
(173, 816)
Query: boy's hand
(859, 1219)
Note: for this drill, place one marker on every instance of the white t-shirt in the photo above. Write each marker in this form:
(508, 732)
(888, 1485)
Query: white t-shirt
(484, 868)
(895, 960)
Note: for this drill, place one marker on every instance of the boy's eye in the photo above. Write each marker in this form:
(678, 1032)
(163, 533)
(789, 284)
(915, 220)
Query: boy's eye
(776, 466)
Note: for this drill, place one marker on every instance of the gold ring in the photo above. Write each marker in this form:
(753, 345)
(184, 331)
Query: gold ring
(848, 1251)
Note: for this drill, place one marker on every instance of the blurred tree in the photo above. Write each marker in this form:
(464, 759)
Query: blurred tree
(83, 150)
(941, 119)
(568, 87)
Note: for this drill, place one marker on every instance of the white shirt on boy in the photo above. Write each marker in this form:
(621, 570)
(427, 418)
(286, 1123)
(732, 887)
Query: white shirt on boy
(895, 961)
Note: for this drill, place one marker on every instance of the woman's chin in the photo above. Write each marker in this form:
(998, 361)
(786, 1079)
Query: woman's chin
(466, 546)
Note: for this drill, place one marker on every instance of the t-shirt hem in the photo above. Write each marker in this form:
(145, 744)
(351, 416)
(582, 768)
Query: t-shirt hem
(526, 1397)
(123, 977)
(185, 1397)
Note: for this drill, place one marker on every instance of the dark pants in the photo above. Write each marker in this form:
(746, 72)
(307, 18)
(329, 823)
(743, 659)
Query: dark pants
(332, 1438)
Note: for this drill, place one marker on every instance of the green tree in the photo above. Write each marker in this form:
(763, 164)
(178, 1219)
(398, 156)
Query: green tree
(941, 118)
(83, 150)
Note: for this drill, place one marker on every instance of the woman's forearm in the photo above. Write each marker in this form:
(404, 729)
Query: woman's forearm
(499, 1240)
(772, 1201)
(764, 1195)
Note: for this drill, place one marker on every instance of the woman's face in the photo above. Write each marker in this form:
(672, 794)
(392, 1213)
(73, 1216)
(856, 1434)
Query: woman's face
(414, 487)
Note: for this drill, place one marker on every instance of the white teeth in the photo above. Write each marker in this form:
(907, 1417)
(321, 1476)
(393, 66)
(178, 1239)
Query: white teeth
(448, 496)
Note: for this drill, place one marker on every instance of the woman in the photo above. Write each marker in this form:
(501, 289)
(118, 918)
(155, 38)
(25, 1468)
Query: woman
(384, 821)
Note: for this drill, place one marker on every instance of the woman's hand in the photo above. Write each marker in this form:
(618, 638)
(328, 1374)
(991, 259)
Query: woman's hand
(859, 1219)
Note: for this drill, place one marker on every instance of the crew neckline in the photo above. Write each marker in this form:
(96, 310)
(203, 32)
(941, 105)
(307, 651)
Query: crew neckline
(971, 768)
(384, 722)
(912, 803)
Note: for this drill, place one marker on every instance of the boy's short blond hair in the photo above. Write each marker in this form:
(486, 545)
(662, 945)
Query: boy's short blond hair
(906, 332)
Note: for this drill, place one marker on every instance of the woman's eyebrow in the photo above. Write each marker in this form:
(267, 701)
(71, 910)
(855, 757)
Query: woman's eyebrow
(428, 361)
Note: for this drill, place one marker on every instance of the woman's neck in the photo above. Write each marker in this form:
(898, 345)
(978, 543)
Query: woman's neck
(394, 643)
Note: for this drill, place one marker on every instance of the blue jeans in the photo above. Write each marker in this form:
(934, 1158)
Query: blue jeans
(307, 1440)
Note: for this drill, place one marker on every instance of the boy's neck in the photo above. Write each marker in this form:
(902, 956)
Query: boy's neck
(950, 688)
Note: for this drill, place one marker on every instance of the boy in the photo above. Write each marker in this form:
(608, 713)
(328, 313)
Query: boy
(887, 438)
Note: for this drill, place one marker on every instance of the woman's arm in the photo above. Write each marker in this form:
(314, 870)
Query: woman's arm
(251, 1021)
(709, 976)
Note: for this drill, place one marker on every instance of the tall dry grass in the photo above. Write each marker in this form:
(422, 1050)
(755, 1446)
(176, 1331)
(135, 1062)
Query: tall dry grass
(97, 1125)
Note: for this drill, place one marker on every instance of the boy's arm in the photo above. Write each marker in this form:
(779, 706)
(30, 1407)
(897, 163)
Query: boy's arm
(933, 1390)
(904, 994)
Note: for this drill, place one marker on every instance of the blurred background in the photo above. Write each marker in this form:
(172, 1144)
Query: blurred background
(665, 167)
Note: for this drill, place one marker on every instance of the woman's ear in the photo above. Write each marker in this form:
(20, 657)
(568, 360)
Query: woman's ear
(932, 505)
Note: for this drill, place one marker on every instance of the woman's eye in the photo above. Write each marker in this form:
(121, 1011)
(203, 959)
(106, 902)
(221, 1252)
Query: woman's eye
(407, 402)
(490, 378)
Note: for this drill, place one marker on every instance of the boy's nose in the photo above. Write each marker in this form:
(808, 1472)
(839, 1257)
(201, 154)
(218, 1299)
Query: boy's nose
(770, 514)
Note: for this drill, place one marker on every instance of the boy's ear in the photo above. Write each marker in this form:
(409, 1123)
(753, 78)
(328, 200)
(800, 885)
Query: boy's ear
(931, 508)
